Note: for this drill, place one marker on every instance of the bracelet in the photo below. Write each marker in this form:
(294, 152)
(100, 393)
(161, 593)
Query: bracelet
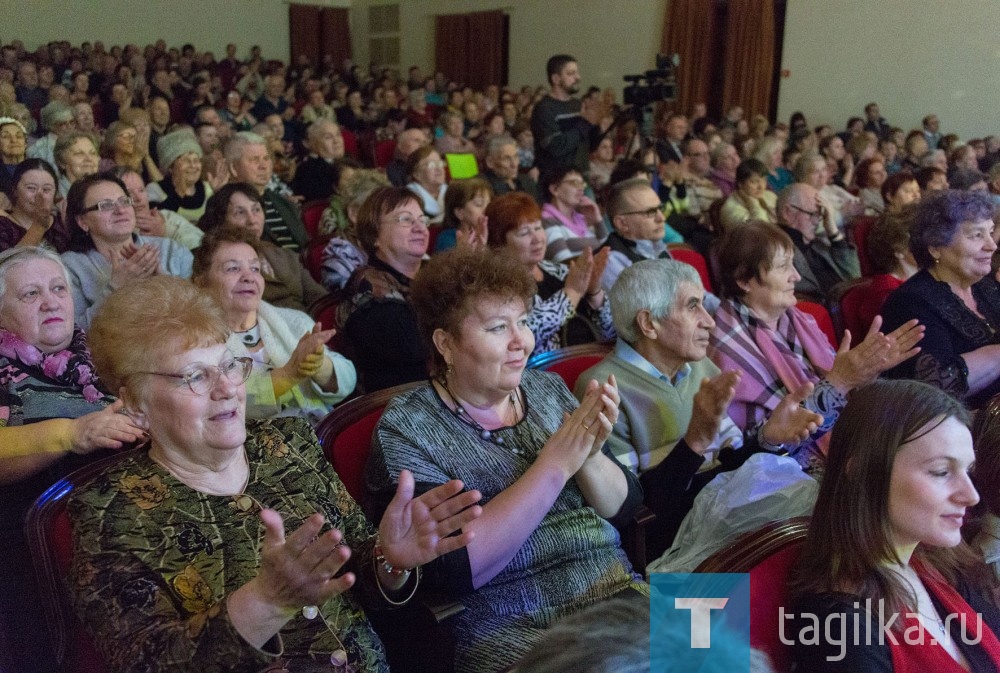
(386, 566)
(378, 559)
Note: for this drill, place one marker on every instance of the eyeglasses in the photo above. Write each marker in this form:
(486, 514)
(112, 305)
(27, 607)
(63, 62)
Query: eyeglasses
(203, 378)
(813, 214)
(434, 164)
(648, 212)
(47, 190)
(574, 182)
(108, 205)
(407, 220)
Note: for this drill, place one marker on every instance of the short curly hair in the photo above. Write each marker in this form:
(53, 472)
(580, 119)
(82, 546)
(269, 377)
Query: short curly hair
(146, 320)
(508, 212)
(746, 252)
(448, 285)
(939, 217)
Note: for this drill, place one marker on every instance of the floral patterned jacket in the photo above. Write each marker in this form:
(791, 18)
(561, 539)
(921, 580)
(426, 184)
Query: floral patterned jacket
(155, 560)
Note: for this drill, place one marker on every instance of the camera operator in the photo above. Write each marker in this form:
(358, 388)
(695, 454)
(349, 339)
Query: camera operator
(565, 129)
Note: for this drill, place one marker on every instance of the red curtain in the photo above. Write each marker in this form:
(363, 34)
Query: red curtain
(689, 31)
(749, 56)
(303, 32)
(335, 34)
(469, 48)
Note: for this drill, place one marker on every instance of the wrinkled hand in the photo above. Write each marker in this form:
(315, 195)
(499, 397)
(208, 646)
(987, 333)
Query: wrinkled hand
(709, 408)
(307, 358)
(474, 237)
(591, 211)
(217, 173)
(580, 271)
(151, 223)
(299, 569)
(105, 429)
(415, 531)
(597, 273)
(791, 423)
(853, 367)
(583, 433)
(133, 262)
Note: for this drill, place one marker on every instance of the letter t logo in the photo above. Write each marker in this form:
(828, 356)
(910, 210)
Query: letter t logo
(701, 618)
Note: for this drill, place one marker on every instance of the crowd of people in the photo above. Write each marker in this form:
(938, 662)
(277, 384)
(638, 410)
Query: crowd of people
(169, 224)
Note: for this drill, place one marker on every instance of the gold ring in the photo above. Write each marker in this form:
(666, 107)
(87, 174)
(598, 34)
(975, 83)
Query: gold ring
(586, 427)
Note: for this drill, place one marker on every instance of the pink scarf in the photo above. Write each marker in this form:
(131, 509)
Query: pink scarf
(576, 224)
(786, 364)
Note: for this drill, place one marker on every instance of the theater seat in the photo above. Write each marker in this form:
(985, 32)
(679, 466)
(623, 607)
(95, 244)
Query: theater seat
(823, 319)
(768, 556)
(571, 361)
(683, 252)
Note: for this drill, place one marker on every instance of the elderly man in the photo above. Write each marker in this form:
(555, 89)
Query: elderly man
(58, 120)
(314, 176)
(250, 161)
(408, 142)
(672, 428)
(822, 261)
(502, 168)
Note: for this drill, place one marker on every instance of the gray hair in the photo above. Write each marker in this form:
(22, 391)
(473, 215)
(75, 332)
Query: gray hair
(718, 151)
(361, 184)
(617, 202)
(497, 143)
(651, 285)
(929, 156)
(54, 113)
(12, 257)
(764, 148)
(804, 166)
(317, 127)
(238, 143)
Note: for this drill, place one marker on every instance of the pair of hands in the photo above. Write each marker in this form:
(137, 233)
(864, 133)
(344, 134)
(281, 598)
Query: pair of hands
(307, 359)
(853, 367)
(301, 569)
(583, 433)
(585, 273)
(132, 261)
(789, 423)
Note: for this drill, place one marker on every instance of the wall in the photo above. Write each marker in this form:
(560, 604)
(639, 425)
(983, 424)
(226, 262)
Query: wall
(208, 24)
(610, 38)
(911, 56)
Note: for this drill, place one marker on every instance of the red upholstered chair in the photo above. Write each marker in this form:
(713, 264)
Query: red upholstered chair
(312, 257)
(767, 555)
(571, 361)
(823, 319)
(350, 143)
(859, 228)
(51, 544)
(383, 152)
(312, 213)
(683, 252)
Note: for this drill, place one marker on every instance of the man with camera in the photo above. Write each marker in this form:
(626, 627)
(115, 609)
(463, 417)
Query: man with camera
(565, 129)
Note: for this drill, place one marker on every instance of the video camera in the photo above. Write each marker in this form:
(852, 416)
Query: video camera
(660, 84)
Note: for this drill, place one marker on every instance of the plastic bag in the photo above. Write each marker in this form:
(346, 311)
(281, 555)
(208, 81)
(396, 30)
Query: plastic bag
(765, 488)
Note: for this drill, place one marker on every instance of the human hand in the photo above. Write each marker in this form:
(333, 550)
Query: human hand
(151, 222)
(104, 429)
(853, 367)
(133, 262)
(308, 356)
(591, 211)
(709, 408)
(578, 277)
(791, 423)
(597, 273)
(583, 432)
(414, 531)
(474, 237)
(300, 569)
(217, 173)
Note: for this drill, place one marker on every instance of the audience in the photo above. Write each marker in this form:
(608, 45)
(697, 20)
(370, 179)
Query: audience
(751, 200)
(33, 218)
(426, 171)
(573, 222)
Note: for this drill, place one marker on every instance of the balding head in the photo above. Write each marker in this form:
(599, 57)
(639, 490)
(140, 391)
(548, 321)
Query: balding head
(409, 141)
(798, 209)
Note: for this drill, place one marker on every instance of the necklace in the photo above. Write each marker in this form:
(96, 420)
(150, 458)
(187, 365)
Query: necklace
(250, 337)
(465, 417)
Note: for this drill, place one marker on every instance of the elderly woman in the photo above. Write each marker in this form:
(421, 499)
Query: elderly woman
(811, 169)
(885, 553)
(13, 144)
(294, 374)
(343, 254)
(181, 559)
(105, 252)
(122, 146)
(54, 414)
(869, 177)
(33, 217)
(377, 320)
(546, 544)
(156, 221)
(759, 331)
(953, 295)
(287, 284)
(464, 211)
(569, 307)
(83, 115)
(751, 200)
(725, 160)
(572, 221)
(425, 169)
(769, 152)
(182, 190)
(76, 157)
(453, 140)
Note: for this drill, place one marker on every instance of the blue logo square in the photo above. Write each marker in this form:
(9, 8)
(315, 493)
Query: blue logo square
(699, 622)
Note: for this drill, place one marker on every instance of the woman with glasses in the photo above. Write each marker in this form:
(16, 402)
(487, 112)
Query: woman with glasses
(425, 168)
(231, 545)
(294, 373)
(33, 218)
(377, 319)
(572, 221)
(105, 253)
(56, 416)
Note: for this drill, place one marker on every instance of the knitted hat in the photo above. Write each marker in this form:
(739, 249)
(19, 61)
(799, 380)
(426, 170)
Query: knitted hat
(175, 145)
(4, 121)
(54, 113)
